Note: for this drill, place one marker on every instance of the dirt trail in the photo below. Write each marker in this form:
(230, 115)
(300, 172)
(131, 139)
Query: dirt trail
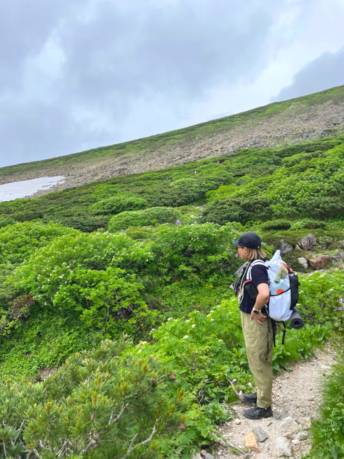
(296, 394)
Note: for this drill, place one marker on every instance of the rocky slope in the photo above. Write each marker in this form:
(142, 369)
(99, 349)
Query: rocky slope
(291, 122)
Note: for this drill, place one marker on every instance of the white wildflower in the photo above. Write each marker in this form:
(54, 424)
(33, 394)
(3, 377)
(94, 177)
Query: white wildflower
(185, 337)
(194, 325)
(170, 318)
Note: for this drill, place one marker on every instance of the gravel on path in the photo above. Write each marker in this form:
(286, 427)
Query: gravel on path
(296, 394)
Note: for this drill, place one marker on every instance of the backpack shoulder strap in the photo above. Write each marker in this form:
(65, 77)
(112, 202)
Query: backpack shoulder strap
(254, 263)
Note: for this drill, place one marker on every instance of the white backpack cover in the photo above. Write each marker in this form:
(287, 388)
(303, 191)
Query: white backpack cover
(280, 294)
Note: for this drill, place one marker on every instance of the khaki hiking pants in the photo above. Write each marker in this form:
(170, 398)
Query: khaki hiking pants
(259, 343)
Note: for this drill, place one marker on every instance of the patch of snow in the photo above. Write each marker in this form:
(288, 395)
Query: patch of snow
(26, 188)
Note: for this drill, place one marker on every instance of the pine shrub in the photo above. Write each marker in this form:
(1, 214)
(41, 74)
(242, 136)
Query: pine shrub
(148, 217)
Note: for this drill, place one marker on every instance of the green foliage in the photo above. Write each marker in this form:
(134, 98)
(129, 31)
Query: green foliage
(320, 295)
(19, 241)
(310, 186)
(107, 403)
(117, 205)
(63, 290)
(276, 225)
(328, 435)
(89, 274)
(6, 222)
(307, 223)
(148, 217)
(240, 210)
(196, 250)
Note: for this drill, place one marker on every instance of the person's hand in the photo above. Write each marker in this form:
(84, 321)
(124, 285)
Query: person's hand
(260, 318)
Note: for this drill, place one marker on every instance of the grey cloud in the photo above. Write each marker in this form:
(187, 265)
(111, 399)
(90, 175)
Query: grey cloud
(322, 73)
(115, 57)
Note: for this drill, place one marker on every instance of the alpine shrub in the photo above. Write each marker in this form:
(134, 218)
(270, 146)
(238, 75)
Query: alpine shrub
(148, 217)
(19, 241)
(117, 205)
(6, 222)
(276, 225)
(106, 403)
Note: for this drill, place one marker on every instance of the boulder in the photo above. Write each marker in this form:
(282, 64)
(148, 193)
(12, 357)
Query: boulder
(298, 248)
(321, 261)
(308, 242)
(302, 435)
(260, 434)
(283, 448)
(209, 456)
(289, 425)
(286, 247)
(178, 222)
(251, 443)
(303, 262)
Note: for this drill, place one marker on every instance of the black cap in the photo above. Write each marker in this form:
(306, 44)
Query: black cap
(249, 240)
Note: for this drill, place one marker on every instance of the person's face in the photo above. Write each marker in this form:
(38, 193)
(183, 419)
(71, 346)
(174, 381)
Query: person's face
(242, 252)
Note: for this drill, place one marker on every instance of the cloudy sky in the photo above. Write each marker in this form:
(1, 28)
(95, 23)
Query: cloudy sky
(77, 74)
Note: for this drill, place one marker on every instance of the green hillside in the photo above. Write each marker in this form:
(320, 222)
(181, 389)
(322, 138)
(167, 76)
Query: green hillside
(310, 117)
(133, 307)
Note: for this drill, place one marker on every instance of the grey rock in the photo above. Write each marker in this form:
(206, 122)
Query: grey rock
(308, 242)
(289, 425)
(302, 435)
(337, 258)
(295, 442)
(283, 448)
(196, 456)
(286, 247)
(303, 262)
(260, 434)
(178, 222)
(209, 456)
(305, 423)
(122, 232)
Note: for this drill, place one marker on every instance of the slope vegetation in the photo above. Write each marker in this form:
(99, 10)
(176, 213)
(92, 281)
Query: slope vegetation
(293, 121)
(119, 290)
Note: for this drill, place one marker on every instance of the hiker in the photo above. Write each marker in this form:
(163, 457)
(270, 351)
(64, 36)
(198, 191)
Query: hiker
(256, 325)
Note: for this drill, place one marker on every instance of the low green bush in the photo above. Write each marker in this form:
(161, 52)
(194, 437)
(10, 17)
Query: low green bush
(309, 224)
(196, 251)
(117, 205)
(237, 209)
(148, 217)
(276, 225)
(19, 241)
(106, 403)
(91, 274)
(6, 222)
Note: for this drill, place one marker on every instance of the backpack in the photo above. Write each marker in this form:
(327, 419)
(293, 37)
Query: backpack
(284, 287)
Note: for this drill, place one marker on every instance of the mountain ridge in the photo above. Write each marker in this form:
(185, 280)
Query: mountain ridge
(303, 119)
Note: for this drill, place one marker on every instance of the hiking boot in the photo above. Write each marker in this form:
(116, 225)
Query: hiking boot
(257, 413)
(250, 399)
